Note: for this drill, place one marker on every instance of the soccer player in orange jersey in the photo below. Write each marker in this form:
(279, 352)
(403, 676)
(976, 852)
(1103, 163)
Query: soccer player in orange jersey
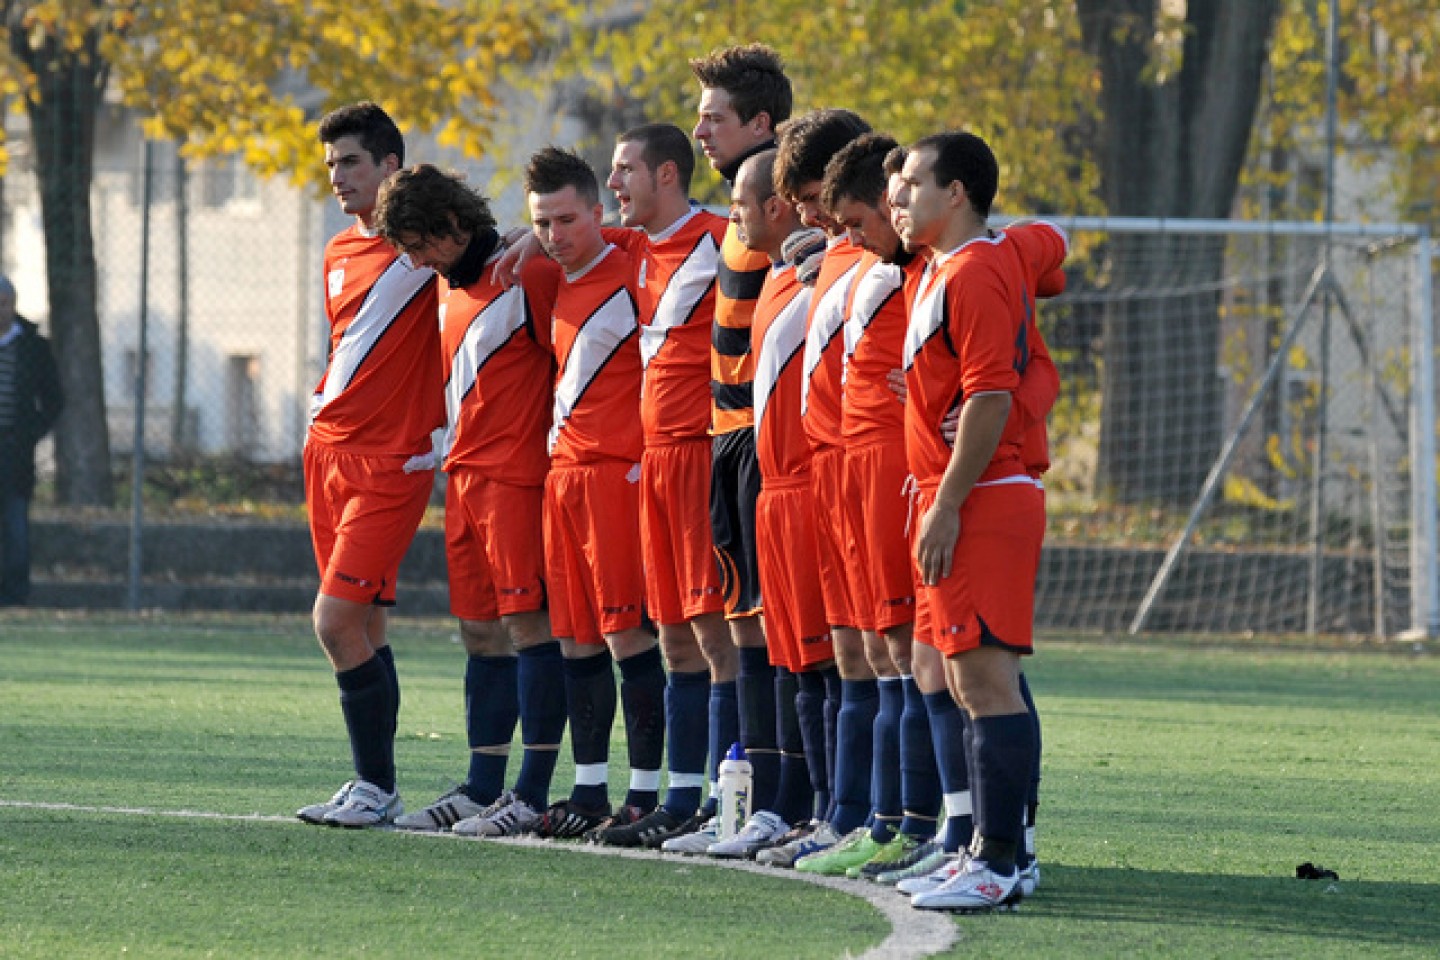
(370, 416)
(797, 634)
(982, 515)
(496, 348)
(592, 505)
(744, 94)
(676, 251)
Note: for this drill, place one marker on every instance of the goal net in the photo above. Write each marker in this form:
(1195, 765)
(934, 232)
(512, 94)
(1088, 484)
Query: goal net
(1245, 436)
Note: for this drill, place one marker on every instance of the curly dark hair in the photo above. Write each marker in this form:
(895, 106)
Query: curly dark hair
(808, 142)
(424, 202)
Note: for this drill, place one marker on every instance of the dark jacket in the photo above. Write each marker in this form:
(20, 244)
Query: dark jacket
(38, 402)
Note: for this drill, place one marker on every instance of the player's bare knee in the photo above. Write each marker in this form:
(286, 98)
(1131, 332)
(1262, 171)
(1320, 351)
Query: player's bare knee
(485, 638)
(627, 643)
(681, 649)
(527, 630)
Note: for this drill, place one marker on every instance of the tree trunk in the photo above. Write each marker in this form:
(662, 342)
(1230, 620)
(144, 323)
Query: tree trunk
(1172, 146)
(62, 123)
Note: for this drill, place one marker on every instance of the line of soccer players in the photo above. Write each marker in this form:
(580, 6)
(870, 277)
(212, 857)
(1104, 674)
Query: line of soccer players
(834, 401)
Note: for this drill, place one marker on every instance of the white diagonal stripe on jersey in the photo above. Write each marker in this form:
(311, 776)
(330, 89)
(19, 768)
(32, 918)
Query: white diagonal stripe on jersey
(682, 294)
(783, 339)
(595, 343)
(926, 318)
(828, 321)
(490, 329)
(872, 291)
(386, 300)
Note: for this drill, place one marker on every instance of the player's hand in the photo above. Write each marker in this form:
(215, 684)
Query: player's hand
(896, 379)
(421, 462)
(935, 547)
(520, 246)
(950, 427)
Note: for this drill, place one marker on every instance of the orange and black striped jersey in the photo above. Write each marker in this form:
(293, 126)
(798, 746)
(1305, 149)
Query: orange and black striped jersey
(381, 392)
(740, 275)
(781, 448)
(497, 351)
(596, 415)
(820, 391)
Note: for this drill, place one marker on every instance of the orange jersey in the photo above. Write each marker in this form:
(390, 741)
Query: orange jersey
(968, 334)
(381, 392)
(675, 285)
(738, 279)
(596, 415)
(497, 350)
(781, 447)
(825, 343)
(874, 346)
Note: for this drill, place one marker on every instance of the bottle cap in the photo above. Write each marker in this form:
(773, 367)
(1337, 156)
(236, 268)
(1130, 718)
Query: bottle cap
(737, 752)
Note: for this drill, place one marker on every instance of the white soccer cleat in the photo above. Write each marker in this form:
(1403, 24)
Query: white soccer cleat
(508, 816)
(1030, 878)
(696, 842)
(938, 874)
(763, 829)
(316, 812)
(366, 806)
(442, 814)
(974, 887)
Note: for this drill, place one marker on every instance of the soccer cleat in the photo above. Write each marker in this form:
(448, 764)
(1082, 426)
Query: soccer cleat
(1029, 878)
(889, 854)
(366, 805)
(695, 841)
(622, 817)
(941, 872)
(651, 830)
(442, 814)
(568, 820)
(763, 829)
(973, 887)
(315, 812)
(508, 816)
(856, 848)
(927, 857)
(817, 836)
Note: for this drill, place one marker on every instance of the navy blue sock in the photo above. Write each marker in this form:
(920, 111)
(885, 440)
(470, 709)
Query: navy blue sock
(755, 696)
(642, 694)
(886, 808)
(724, 731)
(387, 657)
(492, 706)
(1032, 805)
(1004, 760)
(947, 732)
(810, 708)
(833, 696)
(860, 700)
(686, 717)
(794, 797)
(541, 682)
(590, 702)
(365, 701)
(919, 779)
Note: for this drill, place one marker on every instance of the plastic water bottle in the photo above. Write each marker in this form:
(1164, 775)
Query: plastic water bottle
(735, 791)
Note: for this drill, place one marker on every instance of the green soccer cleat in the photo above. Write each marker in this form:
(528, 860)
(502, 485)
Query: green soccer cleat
(886, 857)
(857, 848)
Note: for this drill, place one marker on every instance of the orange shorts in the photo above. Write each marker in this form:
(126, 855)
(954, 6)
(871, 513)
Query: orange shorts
(364, 511)
(592, 550)
(795, 627)
(876, 507)
(682, 579)
(494, 546)
(836, 552)
(992, 578)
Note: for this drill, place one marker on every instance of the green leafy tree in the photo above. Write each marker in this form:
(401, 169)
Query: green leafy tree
(246, 76)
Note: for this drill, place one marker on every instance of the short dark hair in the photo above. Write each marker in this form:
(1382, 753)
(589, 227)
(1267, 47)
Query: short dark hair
(426, 202)
(552, 169)
(808, 142)
(369, 124)
(662, 143)
(857, 172)
(965, 157)
(895, 161)
(754, 77)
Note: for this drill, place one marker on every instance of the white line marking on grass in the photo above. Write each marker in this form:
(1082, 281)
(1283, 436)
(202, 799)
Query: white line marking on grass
(914, 934)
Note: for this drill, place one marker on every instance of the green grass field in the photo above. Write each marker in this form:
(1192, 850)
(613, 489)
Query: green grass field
(1184, 781)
